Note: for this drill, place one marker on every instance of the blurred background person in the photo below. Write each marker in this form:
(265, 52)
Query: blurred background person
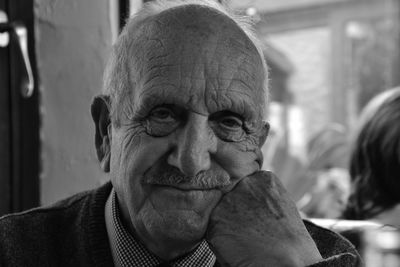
(375, 162)
(326, 183)
(328, 195)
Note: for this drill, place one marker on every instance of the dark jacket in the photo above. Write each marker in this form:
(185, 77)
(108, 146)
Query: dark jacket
(72, 232)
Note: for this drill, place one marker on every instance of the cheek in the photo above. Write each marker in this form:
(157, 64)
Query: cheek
(141, 153)
(131, 157)
(239, 159)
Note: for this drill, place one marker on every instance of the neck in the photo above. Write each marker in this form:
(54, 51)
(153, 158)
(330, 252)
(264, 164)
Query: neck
(169, 250)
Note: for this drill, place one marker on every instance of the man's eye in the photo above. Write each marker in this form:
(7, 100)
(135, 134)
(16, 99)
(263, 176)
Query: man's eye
(228, 126)
(162, 114)
(162, 121)
(231, 122)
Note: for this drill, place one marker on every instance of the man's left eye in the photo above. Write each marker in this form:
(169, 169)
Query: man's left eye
(228, 126)
(231, 122)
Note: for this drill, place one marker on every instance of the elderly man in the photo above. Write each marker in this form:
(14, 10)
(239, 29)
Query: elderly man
(179, 131)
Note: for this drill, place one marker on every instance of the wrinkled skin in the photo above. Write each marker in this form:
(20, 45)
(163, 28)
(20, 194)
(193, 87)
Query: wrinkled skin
(256, 224)
(189, 130)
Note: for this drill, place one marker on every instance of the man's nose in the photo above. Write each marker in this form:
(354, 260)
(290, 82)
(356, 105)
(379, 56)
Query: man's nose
(194, 144)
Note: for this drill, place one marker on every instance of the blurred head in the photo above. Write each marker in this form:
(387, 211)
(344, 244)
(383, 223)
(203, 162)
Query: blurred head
(180, 121)
(328, 148)
(375, 158)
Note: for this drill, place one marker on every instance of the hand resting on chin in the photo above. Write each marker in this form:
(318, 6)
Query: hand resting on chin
(256, 224)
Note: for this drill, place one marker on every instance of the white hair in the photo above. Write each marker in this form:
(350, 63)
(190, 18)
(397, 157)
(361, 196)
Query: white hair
(116, 76)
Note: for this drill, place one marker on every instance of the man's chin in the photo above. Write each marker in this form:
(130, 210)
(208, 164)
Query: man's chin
(180, 226)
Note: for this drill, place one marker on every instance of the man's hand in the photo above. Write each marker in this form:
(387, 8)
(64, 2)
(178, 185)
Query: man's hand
(256, 224)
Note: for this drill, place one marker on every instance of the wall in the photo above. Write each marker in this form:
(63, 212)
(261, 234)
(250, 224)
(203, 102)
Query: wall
(73, 38)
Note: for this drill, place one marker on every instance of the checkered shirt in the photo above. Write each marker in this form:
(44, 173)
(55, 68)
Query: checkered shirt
(126, 251)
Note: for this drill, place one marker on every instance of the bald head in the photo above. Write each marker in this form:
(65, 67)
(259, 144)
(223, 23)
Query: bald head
(187, 97)
(198, 40)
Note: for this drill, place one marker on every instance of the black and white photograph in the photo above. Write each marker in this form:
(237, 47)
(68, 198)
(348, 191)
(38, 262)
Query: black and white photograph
(204, 133)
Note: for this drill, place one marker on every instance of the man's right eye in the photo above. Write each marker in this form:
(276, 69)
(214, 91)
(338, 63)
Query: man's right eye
(163, 115)
(161, 121)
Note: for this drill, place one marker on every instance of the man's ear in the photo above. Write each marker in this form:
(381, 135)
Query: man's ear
(100, 110)
(264, 134)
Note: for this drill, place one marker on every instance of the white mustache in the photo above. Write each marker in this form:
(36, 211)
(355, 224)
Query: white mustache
(171, 176)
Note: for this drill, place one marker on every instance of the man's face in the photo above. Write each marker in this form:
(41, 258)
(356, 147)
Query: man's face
(190, 128)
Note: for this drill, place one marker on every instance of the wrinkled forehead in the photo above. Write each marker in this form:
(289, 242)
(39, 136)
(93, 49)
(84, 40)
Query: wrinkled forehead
(199, 49)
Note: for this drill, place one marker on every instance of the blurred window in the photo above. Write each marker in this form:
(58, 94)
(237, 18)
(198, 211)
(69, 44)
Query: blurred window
(341, 53)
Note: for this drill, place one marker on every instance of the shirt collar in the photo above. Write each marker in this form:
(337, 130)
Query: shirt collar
(126, 251)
